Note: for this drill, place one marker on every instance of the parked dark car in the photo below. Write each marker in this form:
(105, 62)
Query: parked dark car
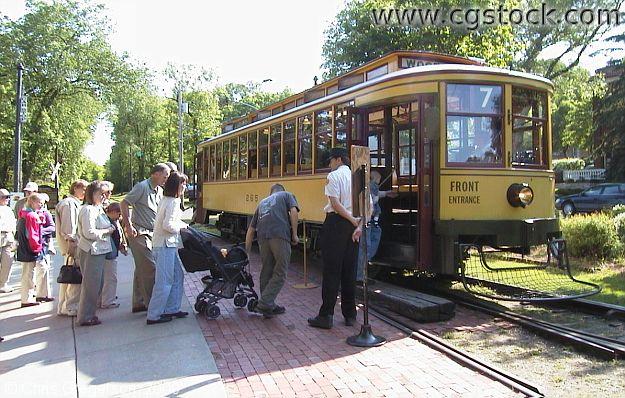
(602, 196)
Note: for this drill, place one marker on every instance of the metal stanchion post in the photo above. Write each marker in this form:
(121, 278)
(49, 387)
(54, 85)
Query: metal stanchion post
(365, 338)
(306, 284)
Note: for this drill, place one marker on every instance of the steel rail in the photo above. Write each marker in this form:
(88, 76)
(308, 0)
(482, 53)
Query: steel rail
(597, 345)
(514, 382)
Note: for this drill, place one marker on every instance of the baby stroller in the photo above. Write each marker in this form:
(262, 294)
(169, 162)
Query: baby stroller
(228, 276)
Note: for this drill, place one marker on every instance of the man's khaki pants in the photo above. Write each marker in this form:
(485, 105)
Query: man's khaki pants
(145, 266)
(69, 294)
(6, 261)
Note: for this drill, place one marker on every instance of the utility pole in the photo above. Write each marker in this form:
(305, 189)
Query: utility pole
(180, 143)
(17, 156)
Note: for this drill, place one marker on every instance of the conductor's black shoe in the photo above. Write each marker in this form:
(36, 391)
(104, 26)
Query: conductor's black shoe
(162, 319)
(350, 321)
(323, 322)
(278, 309)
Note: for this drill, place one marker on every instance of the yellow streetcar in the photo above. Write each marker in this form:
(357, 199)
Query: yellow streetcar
(467, 148)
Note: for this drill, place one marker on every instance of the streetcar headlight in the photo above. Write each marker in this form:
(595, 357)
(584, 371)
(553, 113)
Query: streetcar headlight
(520, 195)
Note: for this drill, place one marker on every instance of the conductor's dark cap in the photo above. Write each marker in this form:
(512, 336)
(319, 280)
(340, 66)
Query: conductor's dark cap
(336, 153)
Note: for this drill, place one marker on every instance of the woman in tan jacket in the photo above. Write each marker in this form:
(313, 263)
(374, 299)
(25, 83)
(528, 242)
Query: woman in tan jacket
(94, 232)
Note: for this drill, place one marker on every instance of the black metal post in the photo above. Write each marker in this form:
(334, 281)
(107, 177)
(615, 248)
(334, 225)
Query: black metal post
(365, 338)
(17, 156)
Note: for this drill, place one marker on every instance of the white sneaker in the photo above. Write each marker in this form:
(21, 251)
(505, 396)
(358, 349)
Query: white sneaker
(6, 289)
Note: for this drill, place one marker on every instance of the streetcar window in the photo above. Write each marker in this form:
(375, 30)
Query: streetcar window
(351, 80)
(375, 138)
(340, 127)
(226, 161)
(474, 124)
(529, 138)
(289, 147)
(213, 163)
(377, 72)
(289, 105)
(405, 119)
(323, 138)
(332, 89)
(234, 156)
(218, 156)
(313, 95)
(276, 149)
(263, 153)
(205, 159)
(304, 144)
(253, 163)
(243, 157)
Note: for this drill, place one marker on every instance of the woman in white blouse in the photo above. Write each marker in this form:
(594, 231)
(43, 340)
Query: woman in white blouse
(94, 242)
(168, 285)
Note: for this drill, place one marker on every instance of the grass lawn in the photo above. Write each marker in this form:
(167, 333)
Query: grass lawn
(611, 278)
(612, 282)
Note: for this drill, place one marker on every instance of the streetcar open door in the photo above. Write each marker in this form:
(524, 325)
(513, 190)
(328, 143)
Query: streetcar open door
(400, 142)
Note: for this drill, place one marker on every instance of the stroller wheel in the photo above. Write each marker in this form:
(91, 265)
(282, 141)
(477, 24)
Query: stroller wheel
(251, 305)
(240, 300)
(212, 311)
(200, 306)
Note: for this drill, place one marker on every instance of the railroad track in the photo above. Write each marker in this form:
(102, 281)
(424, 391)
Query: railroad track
(591, 307)
(604, 310)
(596, 345)
(514, 382)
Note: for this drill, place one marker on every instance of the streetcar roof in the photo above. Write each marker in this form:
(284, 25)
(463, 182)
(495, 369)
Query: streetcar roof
(439, 68)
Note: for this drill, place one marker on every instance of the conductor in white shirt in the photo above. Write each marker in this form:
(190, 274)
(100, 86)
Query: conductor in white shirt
(339, 247)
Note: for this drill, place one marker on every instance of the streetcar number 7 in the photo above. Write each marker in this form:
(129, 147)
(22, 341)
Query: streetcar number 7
(489, 92)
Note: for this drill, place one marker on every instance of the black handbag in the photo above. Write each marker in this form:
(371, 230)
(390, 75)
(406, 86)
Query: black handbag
(69, 274)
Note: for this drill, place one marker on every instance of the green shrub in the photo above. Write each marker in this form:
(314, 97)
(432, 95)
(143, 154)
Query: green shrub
(619, 224)
(615, 211)
(568, 164)
(592, 236)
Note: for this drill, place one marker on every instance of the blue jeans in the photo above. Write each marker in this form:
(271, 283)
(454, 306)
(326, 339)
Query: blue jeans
(168, 283)
(374, 233)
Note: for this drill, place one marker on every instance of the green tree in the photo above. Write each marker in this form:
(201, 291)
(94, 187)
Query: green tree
(610, 122)
(140, 125)
(353, 39)
(572, 116)
(71, 74)
(567, 41)
(236, 99)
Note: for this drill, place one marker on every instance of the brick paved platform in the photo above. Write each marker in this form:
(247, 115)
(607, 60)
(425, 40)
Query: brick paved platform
(284, 357)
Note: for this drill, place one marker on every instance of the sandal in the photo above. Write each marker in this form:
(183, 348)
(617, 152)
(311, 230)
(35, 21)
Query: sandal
(91, 322)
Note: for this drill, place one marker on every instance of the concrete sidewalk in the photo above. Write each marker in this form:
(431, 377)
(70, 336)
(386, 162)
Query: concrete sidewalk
(47, 355)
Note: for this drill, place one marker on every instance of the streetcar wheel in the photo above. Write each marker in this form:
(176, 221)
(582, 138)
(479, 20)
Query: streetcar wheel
(240, 300)
(568, 209)
(200, 306)
(212, 312)
(251, 305)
